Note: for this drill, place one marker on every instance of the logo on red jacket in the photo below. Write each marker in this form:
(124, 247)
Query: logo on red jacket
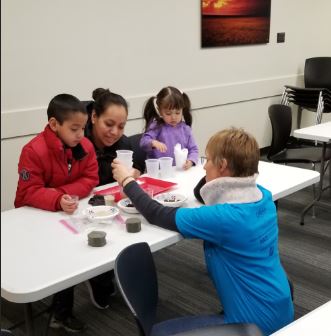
(25, 175)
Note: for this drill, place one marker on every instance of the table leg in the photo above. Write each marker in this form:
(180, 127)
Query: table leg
(320, 188)
(28, 319)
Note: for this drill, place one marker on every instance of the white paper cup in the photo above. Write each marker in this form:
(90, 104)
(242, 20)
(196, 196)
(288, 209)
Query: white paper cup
(152, 167)
(166, 166)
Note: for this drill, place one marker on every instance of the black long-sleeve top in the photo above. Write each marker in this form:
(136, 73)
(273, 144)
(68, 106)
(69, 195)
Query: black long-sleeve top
(152, 210)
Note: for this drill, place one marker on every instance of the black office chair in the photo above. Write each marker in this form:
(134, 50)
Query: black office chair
(281, 123)
(136, 278)
(316, 95)
(139, 155)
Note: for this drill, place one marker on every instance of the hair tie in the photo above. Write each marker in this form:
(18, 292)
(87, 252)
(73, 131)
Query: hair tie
(155, 106)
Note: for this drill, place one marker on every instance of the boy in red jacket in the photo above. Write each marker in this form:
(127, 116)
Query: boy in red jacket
(57, 163)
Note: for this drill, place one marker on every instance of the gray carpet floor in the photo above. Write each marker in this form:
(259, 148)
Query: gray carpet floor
(185, 288)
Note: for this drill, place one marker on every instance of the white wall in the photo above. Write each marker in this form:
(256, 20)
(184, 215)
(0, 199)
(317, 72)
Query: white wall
(137, 47)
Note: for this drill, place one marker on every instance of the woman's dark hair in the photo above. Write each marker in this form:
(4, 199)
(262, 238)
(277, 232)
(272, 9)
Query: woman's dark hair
(103, 98)
(168, 98)
(63, 105)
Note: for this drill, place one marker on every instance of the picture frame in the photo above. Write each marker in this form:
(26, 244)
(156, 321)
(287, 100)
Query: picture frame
(234, 22)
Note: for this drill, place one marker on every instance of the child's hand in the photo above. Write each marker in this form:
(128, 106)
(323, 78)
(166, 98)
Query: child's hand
(188, 164)
(160, 146)
(68, 205)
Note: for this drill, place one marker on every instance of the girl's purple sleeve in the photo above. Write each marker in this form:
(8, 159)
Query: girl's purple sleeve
(193, 150)
(147, 138)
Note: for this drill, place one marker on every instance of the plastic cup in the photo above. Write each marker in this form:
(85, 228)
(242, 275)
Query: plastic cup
(166, 166)
(74, 199)
(152, 167)
(125, 156)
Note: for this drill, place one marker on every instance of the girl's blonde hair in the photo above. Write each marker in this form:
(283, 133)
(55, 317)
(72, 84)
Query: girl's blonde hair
(238, 147)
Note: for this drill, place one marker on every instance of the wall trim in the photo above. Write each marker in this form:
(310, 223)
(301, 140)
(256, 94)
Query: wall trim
(23, 122)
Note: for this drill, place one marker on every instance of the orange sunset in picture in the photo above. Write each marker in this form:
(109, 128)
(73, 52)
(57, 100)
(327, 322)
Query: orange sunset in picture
(234, 22)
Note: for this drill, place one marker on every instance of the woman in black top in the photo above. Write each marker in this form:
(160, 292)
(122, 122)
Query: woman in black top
(108, 116)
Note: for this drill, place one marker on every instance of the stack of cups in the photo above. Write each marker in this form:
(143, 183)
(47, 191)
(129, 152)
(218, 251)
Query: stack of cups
(125, 156)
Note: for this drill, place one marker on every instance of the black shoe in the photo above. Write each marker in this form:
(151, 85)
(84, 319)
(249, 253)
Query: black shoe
(70, 324)
(99, 296)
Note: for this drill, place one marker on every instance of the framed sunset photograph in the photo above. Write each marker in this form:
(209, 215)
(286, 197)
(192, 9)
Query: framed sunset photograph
(234, 22)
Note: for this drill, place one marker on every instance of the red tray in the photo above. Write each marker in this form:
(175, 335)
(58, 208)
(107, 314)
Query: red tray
(158, 186)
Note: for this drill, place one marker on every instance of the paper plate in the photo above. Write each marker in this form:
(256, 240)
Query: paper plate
(171, 199)
(124, 204)
(100, 213)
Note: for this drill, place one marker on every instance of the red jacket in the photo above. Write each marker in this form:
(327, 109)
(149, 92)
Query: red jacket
(47, 171)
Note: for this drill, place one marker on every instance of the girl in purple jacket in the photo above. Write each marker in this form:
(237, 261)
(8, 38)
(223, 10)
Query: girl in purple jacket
(168, 122)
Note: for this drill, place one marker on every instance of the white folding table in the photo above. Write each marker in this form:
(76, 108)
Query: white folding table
(322, 133)
(316, 322)
(40, 256)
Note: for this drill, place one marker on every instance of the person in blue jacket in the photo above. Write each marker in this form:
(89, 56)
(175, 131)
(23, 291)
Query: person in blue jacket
(239, 228)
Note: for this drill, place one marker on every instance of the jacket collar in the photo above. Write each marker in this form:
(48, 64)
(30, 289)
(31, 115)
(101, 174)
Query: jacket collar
(54, 143)
(231, 190)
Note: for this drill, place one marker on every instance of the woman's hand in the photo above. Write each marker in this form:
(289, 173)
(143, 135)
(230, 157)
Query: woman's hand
(160, 146)
(188, 164)
(68, 205)
(120, 172)
(135, 173)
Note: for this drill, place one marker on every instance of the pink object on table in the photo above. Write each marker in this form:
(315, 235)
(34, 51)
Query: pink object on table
(120, 219)
(68, 226)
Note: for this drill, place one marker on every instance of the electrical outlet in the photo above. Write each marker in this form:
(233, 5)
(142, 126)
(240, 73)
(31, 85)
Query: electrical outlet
(280, 37)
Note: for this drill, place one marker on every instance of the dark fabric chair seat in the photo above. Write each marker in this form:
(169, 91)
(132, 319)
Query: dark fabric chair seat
(226, 330)
(183, 324)
(136, 278)
(279, 151)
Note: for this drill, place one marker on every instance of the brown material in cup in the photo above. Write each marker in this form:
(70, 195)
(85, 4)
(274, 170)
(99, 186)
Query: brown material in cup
(133, 224)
